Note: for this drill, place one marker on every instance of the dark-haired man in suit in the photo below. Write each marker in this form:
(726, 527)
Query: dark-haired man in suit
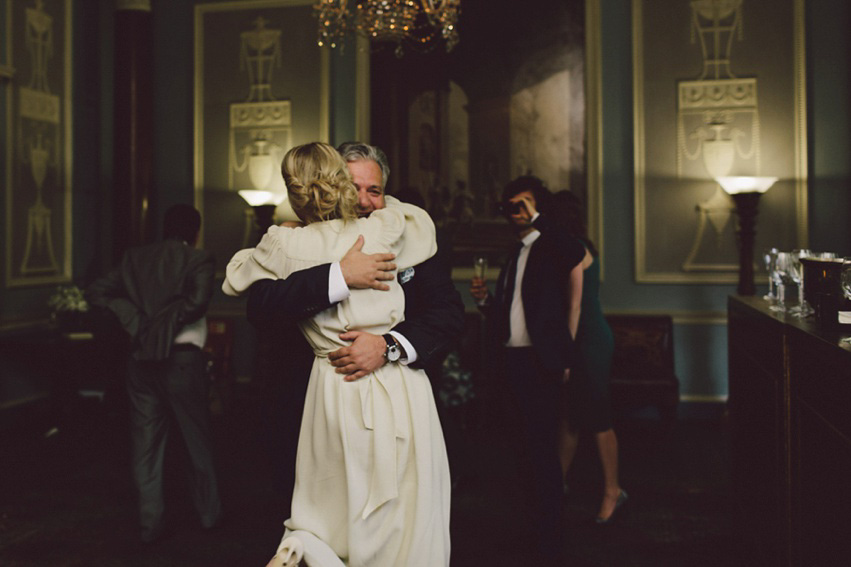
(160, 294)
(434, 317)
(538, 289)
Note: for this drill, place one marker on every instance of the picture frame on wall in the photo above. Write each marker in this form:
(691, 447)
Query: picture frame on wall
(719, 90)
(38, 165)
(261, 87)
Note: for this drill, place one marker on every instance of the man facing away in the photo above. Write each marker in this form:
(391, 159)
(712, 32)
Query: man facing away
(434, 317)
(538, 289)
(160, 294)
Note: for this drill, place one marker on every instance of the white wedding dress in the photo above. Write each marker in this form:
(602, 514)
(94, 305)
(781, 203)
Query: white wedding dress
(372, 479)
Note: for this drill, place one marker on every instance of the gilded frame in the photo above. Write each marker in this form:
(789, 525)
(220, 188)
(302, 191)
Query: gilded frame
(684, 224)
(38, 195)
(227, 218)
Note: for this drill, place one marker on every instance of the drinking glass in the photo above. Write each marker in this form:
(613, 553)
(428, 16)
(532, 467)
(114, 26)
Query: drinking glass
(845, 281)
(796, 273)
(480, 266)
(782, 278)
(769, 256)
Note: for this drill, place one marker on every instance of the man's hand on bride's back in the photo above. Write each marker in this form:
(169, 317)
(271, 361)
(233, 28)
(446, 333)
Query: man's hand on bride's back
(363, 356)
(365, 271)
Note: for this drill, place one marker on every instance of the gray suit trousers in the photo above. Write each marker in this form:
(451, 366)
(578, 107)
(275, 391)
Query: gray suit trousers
(159, 391)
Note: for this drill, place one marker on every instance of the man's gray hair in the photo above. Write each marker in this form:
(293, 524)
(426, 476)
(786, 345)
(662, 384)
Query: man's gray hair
(358, 151)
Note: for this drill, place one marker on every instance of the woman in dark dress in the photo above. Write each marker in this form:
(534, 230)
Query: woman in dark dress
(587, 404)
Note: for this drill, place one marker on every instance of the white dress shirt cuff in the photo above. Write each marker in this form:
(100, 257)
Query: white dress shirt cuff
(337, 288)
(410, 351)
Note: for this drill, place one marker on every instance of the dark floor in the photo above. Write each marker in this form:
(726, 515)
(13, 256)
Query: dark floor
(67, 498)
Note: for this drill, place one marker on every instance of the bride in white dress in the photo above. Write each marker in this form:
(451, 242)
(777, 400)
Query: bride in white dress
(372, 478)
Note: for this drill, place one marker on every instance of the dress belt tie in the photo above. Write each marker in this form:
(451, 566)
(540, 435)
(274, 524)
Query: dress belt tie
(379, 392)
(377, 402)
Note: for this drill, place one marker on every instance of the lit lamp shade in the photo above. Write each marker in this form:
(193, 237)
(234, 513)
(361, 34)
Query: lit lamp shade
(744, 184)
(257, 198)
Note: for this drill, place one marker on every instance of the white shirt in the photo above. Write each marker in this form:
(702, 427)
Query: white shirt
(193, 333)
(517, 315)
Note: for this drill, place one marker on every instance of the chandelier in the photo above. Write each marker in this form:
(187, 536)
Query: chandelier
(414, 23)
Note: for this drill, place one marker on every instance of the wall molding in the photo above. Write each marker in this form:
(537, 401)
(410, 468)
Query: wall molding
(681, 317)
(703, 398)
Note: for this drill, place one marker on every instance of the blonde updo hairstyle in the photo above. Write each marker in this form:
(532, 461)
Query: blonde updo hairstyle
(319, 183)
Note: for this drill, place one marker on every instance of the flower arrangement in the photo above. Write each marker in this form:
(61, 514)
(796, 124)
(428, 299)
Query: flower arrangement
(67, 299)
(457, 386)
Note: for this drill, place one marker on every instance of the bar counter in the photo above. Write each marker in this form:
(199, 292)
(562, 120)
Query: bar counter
(790, 419)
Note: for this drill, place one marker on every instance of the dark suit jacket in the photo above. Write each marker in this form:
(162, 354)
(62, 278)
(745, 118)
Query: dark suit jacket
(154, 292)
(544, 291)
(434, 310)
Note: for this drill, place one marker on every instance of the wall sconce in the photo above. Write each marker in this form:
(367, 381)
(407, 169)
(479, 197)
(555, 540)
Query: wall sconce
(746, 192)
(263, 204)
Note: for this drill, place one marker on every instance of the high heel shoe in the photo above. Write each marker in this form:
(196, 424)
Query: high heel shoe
(608, 521)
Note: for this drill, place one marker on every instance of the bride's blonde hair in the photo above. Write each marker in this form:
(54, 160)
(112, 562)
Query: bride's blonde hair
(319, 184)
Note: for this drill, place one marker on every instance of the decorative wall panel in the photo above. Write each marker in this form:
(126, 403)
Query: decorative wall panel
(719, 91)
(261, 87)
(38, 192)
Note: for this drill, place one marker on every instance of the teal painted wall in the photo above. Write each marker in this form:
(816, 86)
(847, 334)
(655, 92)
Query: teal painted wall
(701, 358)
(700, 346)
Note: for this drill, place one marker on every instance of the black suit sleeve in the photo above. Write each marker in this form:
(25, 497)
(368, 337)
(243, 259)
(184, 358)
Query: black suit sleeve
(434, 312)
(301, 295)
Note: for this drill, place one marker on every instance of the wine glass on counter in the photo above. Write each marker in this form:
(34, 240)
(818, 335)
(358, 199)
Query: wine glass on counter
(782, 278)
(769, 256)
(845, 281)
(796, 273)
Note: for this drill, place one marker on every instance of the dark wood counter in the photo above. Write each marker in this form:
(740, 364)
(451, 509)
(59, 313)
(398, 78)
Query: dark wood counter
(790, 417)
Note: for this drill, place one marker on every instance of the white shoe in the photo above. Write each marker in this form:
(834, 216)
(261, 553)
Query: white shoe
(291, 553)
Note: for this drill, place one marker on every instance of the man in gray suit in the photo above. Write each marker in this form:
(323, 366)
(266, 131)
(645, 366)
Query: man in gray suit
(160, 293)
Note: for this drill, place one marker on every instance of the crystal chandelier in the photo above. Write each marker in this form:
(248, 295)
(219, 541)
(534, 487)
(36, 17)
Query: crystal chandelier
(414, 23)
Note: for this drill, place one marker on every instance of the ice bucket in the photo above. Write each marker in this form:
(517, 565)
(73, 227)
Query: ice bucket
(822, 289)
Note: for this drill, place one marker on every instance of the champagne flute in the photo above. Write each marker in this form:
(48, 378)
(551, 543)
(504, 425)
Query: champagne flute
(480, 266)
(769, 256)
(478, 288)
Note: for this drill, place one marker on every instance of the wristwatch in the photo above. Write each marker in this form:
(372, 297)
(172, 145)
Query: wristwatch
(393, 352)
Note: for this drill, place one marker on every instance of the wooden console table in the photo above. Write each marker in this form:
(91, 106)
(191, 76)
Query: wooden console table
(790, 418)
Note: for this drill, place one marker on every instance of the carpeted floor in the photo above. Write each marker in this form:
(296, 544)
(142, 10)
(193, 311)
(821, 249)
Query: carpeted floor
(67, 497)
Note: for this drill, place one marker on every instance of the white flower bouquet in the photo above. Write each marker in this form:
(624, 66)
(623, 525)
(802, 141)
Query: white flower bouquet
(67, 299)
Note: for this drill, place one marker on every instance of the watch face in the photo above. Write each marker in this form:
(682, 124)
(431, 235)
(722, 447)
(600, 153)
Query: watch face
(393, 353)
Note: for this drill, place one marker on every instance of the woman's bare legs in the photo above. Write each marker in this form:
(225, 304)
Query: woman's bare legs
(568, 440)
(607, 447)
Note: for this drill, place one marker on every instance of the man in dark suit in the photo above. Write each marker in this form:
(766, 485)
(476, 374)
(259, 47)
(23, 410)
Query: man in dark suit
(160, 294)
(434, 317)
(535, 293)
